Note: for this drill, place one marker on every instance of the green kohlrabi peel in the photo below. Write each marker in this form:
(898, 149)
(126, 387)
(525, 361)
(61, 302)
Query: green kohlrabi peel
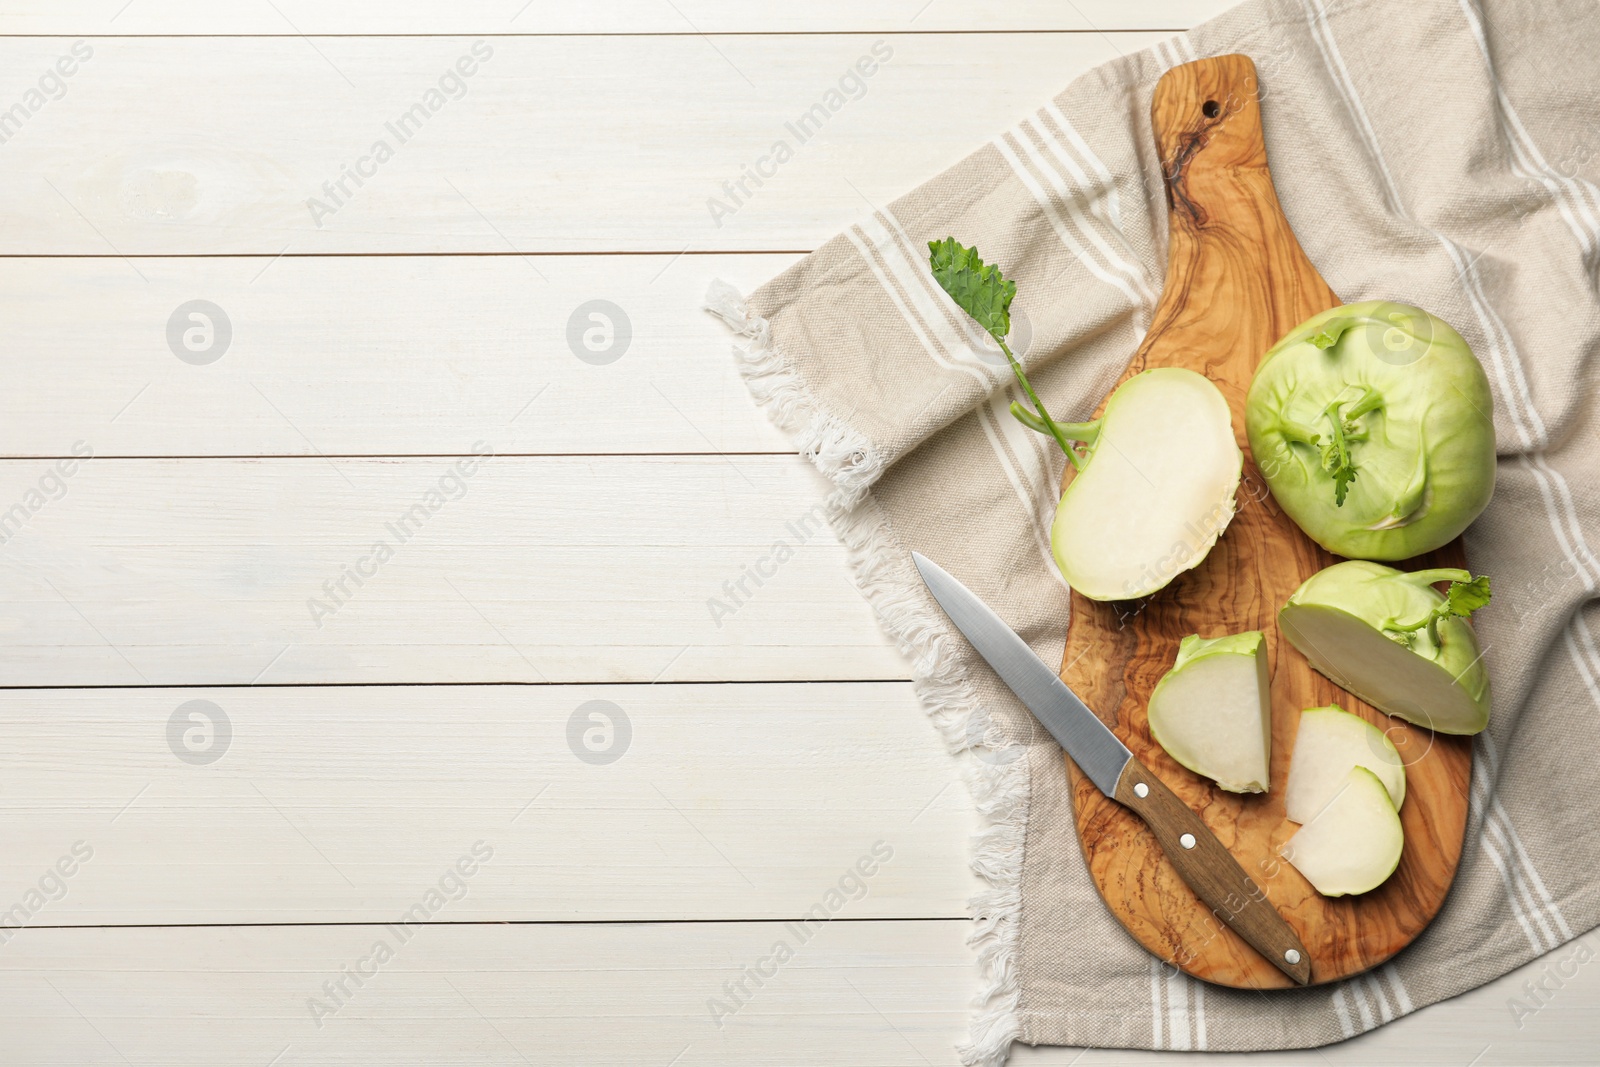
(1372, 424)
(1396, 642)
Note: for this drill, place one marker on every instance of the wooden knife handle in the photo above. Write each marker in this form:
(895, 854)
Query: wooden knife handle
(1211, 871)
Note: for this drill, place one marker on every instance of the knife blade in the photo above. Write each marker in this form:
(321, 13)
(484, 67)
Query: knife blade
(1203, 862)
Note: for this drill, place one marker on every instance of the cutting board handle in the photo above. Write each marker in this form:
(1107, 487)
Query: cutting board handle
(1207, 123)
(1226, 230)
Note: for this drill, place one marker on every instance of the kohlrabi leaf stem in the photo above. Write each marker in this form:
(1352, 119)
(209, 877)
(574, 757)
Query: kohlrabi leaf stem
(1371, 400)
(1435, 575)
(1331, 331)
(1298, 432)
(1335, 445)
(980, 290)
(1083, 433)
(1044, 418)
(1029, 419)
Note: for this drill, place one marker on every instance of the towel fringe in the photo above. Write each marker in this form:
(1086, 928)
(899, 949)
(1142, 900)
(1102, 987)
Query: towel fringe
(995, 768)
(841, 452)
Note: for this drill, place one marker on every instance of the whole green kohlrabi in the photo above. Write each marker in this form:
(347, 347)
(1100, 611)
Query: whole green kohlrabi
(1371, 424)
(1395, 641)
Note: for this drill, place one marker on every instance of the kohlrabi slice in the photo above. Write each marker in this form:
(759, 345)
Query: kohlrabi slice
(1329, 742)
(1156, 473)
(1371, 424)
(1212, 711)
(1155, 490)
(1396, 642)
(1354, 843)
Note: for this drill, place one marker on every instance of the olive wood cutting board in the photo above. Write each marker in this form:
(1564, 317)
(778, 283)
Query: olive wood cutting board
(1237, 281)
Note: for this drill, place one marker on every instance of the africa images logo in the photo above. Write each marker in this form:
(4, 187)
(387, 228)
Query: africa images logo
(451, 85)
(852, 85)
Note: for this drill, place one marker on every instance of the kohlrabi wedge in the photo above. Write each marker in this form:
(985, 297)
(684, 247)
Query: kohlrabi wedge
(1329, 742)
(1212, 711)
(1157, 472)
(1396, 642)
(1354, 843)
(1372, 426)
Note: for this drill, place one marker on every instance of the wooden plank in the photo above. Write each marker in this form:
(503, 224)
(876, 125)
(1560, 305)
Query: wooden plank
(374, 355)
(887, 994)
(867, 994)
(620, 569)
(114, 17)
(277, 805)
(607, 144)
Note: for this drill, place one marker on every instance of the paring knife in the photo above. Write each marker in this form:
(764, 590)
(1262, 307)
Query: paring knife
(1202, 861)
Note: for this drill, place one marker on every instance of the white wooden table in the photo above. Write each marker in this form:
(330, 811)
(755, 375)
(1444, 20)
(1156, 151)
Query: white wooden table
(411, 731)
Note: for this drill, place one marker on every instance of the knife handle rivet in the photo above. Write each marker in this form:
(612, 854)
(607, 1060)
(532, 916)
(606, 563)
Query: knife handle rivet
(1292, 956)
(1141, 790)
(1187, 841)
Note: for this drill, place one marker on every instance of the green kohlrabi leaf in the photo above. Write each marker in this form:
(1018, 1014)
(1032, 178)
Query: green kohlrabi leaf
(1463, 598)
(1342, 477)
(1336, 458)
(978, 288)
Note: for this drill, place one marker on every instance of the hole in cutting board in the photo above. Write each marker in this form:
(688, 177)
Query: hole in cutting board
(1210, 109)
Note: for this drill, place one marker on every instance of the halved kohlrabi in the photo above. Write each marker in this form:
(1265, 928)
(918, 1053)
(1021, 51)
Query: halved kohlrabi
(1156, 488)
(1354, 843)
(1371, 424)
(1212, 711)
(1156, 473)
(1329, 742)
(1396, 642)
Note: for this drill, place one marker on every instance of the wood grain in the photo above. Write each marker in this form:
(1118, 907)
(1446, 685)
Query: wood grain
(1237, 280)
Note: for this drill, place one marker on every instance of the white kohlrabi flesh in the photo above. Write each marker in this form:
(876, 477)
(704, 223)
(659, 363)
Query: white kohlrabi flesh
(1354, 843)
(1329, 742)
(1371, 424)
(1396, 642)
(1212, 711)
(1155, 490)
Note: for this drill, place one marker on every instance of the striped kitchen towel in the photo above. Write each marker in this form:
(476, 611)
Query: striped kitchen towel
(1442, 152)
